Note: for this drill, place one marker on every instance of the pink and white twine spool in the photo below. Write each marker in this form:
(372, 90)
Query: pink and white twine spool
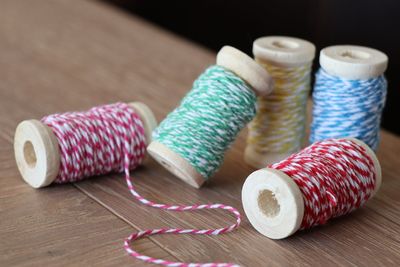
(110, 138)
(97, 141)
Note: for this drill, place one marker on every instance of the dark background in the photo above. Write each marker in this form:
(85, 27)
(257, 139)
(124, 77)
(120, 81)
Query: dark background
(216, 23)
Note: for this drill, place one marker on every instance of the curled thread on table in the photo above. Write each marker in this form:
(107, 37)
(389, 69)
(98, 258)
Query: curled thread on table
(335, 177)
(347, 108)
(108, 139)
(208, 119)
(279, 126)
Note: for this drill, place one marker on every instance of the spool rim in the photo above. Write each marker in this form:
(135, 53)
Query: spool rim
(246, 68)
(283, 50)
(353, 62)
(282, 221)
(147, 117)
(39, 162)
(175, 164)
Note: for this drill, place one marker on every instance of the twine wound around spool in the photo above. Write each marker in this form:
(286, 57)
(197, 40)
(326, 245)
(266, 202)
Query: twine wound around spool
(274, 203)
(103, 139)
(248, 70)
(278, 129)
(37, 151)
(349, 94)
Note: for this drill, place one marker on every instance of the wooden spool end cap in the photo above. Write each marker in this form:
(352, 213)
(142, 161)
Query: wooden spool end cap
(246, 68)
(175, 164)
(353, 62)
(37, 153)
(283, 51)
(260, 160)
(374, 158)
(147, 117)
(273, 203)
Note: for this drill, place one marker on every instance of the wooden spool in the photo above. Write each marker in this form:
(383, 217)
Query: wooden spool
(353, 62)
(243, 66)
(285, 52)
(274, 204)
(37, 151)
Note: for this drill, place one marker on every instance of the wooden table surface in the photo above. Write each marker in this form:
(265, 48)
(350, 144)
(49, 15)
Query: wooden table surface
(64, 55)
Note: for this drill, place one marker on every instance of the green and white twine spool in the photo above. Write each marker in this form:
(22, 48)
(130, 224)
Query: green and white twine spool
(208, 119)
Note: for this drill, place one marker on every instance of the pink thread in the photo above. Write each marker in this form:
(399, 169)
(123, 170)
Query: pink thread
(335, 176)
(111, 138)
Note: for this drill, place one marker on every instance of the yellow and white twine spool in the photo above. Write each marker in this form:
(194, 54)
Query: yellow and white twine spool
(278, 129)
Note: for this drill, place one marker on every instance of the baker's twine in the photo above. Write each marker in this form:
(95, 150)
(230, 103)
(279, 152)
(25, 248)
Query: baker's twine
(348, 108)
(335, 177)
(111, 138)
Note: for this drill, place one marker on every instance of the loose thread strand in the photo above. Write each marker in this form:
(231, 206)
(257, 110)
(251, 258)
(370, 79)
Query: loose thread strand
(111, 138)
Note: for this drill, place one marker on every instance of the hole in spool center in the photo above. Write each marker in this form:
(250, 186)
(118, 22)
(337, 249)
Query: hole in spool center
(29, 154)
(268, 204)
(355, 54)
(285, 44)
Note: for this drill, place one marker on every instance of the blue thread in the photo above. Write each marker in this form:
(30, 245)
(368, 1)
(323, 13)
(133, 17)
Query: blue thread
(347, 108)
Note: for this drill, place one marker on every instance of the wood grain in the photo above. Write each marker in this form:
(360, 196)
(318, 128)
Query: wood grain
(59, 56)
(58, 225)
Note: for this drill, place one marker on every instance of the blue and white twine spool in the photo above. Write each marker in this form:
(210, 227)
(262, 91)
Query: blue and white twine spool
(349, 94)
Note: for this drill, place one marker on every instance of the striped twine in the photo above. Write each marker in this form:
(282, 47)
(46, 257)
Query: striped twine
(279, 126)
(208, 119)
(91, 142)
(347, 108)
(111, 138)
(335, 177)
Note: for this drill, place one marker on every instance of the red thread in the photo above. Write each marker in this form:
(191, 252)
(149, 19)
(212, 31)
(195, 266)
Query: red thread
(335, 176)
(111, 138)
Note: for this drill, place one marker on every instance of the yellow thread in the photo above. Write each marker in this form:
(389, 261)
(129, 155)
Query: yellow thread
(279, 126)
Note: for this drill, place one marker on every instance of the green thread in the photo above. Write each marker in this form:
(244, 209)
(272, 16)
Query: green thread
(208, 119)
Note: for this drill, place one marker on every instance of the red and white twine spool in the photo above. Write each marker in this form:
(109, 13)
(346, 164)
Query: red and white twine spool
(112, 138)
(323, 181)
